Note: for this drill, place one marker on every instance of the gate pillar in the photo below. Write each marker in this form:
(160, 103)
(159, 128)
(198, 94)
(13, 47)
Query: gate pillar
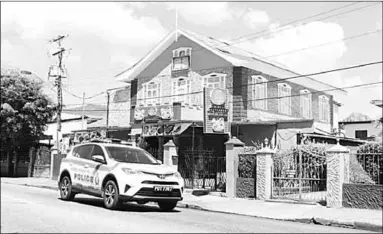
(337, 174)
(170, 154)
(233, 148)
(264, 172)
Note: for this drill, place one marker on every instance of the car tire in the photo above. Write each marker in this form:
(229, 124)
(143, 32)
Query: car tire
(66, 192)
(167, 205)
(111, 195)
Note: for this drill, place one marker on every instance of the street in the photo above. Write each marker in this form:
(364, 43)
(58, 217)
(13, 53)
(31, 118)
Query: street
(27, 209)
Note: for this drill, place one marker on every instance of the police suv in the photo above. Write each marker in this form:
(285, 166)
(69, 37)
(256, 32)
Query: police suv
(119, 173)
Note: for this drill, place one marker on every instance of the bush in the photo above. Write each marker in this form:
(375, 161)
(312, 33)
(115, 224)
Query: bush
(364, 168)
(247, 165)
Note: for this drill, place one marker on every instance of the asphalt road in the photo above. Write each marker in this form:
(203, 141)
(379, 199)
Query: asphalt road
(27, 209)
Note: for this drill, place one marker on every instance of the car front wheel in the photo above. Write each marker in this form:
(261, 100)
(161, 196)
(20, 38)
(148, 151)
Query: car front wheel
(66, 189)
(167, 206)
(111, 195)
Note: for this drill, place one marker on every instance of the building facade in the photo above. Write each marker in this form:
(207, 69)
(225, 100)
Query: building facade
(166, 87)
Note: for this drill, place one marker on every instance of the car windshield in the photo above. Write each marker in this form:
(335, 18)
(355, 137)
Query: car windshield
(129, 155)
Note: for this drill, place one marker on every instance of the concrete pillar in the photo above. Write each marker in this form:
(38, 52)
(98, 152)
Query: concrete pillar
(264, 172)
(170, 154)
(233, 148)
(53, 152)
(337, 174)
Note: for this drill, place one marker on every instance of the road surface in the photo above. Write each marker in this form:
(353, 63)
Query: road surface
(27, 209)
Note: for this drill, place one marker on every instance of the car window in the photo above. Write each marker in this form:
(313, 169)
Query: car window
(97, 150)
(84, 151)
(75, 152)
(129, 155)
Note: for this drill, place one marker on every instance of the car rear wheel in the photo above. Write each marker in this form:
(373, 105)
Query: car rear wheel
(167, 205)
(66, 189)
(111, 195)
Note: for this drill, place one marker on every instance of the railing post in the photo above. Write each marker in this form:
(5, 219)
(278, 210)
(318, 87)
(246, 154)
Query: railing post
(264, 172)
(336, 174)
(233, 148)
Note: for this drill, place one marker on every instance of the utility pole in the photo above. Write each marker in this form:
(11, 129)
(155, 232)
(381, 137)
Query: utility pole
(83, 110)
(58, 77)
(107, 113)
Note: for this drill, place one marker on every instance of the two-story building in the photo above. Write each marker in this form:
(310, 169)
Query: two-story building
(265, 99)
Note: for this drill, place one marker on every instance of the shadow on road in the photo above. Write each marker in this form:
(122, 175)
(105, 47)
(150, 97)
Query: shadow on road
(131, 207)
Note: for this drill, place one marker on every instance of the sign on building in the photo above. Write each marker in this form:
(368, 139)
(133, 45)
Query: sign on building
(153, 114)
(216, 111)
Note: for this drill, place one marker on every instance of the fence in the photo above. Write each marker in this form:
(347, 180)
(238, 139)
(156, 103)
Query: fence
(372, 164)
(299, 176)
(203, 169)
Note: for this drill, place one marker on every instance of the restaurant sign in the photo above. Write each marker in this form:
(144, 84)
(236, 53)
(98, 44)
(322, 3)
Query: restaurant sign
(216, 111)
(164, 129)
(153, 114)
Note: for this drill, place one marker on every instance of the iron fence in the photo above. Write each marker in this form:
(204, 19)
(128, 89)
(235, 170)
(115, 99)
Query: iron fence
(203, 169)
(301, 177)
(372, 164)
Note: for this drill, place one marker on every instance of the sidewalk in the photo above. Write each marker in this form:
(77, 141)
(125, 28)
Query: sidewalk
(342, 217)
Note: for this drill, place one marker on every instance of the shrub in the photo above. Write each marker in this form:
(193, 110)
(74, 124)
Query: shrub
(247, 165)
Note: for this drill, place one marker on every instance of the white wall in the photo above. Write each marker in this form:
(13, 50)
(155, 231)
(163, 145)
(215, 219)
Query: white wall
(350, 128)
(66, 127)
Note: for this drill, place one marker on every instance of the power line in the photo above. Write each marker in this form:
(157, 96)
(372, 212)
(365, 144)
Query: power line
(295, 21)
(270, 81)
(250, 37)
(74, 95)
(323, 44)
(268, 98)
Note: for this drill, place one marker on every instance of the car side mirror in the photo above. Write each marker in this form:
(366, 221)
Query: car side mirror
(159, 161)
(98, 158)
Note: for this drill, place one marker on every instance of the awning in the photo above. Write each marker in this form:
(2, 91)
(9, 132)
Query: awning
(136, 131)
(170, 129)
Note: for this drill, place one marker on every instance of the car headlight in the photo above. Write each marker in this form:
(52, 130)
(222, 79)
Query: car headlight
(178, 175)
(131, 171)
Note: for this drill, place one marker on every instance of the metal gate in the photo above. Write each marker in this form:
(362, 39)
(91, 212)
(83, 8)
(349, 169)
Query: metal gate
(203, 169)
(300, 176)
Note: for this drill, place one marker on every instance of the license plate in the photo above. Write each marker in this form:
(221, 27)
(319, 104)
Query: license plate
(163, 189)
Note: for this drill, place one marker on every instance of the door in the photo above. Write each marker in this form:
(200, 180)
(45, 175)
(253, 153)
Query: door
(80, 167)
(97, 170)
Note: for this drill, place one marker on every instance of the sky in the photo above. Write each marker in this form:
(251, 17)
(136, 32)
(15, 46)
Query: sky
(105, 38)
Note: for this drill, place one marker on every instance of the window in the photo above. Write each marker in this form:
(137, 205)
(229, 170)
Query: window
(259, 92)
(84, 151)
(361, 134)
(284, 102)
(305, 104)
(181, 90)
(324, 109)
(97, 150)
(129, 155)
(215, 80)
(181, 59)
(152, 92)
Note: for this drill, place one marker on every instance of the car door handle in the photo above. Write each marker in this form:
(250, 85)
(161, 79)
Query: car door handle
(86, 166)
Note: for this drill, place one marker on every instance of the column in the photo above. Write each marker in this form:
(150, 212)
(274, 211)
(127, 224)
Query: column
(170, 154)
(53, 152)
(337, 170)
(264, 172)
(233, 148)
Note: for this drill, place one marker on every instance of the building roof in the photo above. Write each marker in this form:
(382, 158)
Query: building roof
(234, 55)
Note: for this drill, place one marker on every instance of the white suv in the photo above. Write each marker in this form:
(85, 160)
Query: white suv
(119, 173)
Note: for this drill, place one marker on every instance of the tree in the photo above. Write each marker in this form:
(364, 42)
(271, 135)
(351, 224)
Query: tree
(25, 111)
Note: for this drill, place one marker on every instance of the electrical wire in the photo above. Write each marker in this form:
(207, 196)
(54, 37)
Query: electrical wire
(279, 97)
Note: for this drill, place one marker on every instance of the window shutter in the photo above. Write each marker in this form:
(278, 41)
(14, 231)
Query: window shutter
(159, 93)
(144, 94)
(174, 90)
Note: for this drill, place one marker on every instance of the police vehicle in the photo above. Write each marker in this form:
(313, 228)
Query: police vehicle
(118, 173)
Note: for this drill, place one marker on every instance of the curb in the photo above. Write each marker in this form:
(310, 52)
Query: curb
(317, 221)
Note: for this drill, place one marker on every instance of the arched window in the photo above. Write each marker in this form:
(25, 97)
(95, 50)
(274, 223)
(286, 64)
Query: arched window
(284, 100)
(324, 109)
(181, 90)
(305, 104)
(181, 59)
(215, 80)
(258, 87)
(152, 93)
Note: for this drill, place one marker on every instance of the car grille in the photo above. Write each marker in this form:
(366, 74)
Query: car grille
(149, 192)
(160, 182)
